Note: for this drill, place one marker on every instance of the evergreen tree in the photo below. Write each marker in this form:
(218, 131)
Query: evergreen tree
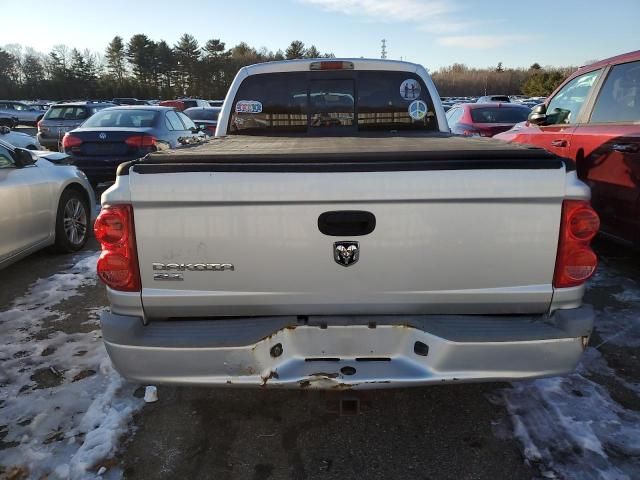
(312, 52)
(295, 50)
(115, 55)
(187, 55)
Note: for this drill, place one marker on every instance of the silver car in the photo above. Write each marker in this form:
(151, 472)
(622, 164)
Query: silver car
(27, 114)
(43, 202)
(64, 117)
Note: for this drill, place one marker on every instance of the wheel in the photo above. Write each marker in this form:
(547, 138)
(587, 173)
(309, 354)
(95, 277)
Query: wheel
(72, 222)
(5, 123)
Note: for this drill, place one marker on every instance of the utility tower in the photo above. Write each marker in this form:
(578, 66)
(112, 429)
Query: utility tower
(383, 50)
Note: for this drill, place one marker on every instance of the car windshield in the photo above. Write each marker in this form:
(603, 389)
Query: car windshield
(203, 114)
(67, 113)
(331, 102)
(122, 118)
(499, 115)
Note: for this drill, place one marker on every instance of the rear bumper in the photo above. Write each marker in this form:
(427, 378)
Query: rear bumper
(101, 169)
(380, 352)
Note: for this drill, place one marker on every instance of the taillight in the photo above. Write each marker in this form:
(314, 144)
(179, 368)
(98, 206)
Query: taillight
(141, 141)
(331, 65)
(38, 124)
(71, 142)
(118, 262)
(576, 262)
(470, 133)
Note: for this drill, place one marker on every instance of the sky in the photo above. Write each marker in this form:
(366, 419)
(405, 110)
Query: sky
(434, 33)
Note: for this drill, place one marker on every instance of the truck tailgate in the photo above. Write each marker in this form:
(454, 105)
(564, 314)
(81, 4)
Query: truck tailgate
(475, 240)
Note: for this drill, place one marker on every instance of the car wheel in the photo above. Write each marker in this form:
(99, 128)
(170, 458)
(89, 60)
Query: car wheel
(72, 222)
(5, 123)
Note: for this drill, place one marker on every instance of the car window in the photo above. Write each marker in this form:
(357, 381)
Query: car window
(66, 113)
(619, 98)
(6, 106)
(499, 115)
(456, 115)
(19, 106)
(173, 121)
(331, 103)
(565, 106)
(188, 123)
(300, 102)
(6, 160)
(125, 118)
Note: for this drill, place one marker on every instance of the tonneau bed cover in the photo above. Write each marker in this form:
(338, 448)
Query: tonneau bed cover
(457, 152)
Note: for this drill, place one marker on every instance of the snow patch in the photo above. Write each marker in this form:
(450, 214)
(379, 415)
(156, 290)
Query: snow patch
(569, 426)
(62, 405)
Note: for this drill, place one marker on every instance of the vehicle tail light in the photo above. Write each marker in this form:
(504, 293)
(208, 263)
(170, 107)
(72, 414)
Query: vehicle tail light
(470, 133)
(141, 141)
(118, 262)
(38, 124)
(576, 262)
(71, 143)
(331, 65)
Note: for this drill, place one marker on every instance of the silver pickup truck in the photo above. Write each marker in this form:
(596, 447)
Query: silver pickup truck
(336, 235)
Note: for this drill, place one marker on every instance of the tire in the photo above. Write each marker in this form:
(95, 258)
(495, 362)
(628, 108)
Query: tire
(5, 123)
(72, 222)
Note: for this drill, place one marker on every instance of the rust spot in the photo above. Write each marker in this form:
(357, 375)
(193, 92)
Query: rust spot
(272, 374)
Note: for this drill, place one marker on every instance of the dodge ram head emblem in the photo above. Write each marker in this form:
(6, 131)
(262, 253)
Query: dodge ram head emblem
(346, 253)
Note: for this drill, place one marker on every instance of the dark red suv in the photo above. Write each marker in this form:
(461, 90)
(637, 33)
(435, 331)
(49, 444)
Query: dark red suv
(593, 118)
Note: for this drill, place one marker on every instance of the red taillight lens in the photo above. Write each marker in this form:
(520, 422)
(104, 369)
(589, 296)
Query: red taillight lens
(38, 124)
(118, 263)
(70, 141)
(576, 262)
(583, 223)
(141, 141)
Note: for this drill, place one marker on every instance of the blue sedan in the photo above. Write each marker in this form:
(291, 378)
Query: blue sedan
(120, 134)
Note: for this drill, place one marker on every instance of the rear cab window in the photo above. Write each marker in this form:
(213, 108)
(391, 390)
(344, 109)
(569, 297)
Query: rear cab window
(331, 102)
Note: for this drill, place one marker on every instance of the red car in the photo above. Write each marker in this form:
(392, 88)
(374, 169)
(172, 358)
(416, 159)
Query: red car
(485, 119)
(593, 118)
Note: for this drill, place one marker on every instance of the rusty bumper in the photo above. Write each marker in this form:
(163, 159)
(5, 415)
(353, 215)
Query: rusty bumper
(346, 352)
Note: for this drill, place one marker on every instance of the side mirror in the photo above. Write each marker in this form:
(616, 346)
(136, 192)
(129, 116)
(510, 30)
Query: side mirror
(538, 115)
(24, 158)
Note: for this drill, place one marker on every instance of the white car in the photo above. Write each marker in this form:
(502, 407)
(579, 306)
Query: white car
(43, 202)
(19, 139)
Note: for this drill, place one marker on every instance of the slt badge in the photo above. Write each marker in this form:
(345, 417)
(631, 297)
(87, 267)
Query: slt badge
(346, 253)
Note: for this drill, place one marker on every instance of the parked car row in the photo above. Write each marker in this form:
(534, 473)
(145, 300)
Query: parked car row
(26, 114)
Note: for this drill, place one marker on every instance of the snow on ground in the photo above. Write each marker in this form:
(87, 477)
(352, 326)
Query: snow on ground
(570, 427)
(63, 408)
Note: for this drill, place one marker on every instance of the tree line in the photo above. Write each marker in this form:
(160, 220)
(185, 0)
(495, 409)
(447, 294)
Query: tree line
(144, 68)
(535, 81)
(140, 67)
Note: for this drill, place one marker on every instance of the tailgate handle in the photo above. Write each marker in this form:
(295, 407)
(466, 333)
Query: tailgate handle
(347, 223)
